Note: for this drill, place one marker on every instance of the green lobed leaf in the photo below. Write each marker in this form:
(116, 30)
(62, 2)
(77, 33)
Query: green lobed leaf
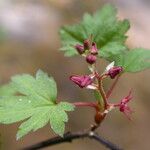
(37, 103)
(112, 49)
(7, 89)
(134, 60)
(56, 115)
(107, 32)
(42, 87)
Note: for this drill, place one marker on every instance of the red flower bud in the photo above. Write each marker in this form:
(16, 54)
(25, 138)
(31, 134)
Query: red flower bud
(80, 48)
(91, 59)
(114, 71)
(86, 44)
(94, 49)
(82, 81)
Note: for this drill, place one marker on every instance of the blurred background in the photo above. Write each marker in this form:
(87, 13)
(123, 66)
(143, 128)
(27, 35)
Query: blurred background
(29, 40)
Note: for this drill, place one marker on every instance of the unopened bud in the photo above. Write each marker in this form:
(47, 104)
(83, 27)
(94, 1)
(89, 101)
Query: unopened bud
(86, 44)
(94, 49)
(91, 59)
(82, 81)
(114, 71)
(80, 48)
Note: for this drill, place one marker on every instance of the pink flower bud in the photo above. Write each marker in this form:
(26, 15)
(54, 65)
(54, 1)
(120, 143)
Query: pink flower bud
(91, 59)
(86, 44)
(114, 71)
(94, 49)
(80, 48)
(82, 81)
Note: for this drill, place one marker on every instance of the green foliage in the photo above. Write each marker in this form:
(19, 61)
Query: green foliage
(134, 60)
(36, 102)
(7, 89)
(109, 35)
(107, 31)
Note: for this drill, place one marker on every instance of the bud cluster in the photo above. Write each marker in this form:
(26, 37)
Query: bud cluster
(89, 50)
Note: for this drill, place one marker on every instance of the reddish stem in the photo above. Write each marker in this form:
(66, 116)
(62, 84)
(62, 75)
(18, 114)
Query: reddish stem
(100, 88)
(112, 87)
(89, 104)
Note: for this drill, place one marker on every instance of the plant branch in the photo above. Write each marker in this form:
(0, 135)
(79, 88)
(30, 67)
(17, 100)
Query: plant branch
(112, 86)
(69, 137)
(89, 104)
(105, 142)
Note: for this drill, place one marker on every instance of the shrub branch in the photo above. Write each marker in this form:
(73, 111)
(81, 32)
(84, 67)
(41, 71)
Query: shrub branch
(69, 137)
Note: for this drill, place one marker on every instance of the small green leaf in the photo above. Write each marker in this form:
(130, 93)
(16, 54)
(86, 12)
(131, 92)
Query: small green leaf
(107, 31)
(37, 103)
(134, 60)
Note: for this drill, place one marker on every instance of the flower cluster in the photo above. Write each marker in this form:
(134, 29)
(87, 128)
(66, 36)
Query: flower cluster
(94, 81)
(89, 50)
(87, 81)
